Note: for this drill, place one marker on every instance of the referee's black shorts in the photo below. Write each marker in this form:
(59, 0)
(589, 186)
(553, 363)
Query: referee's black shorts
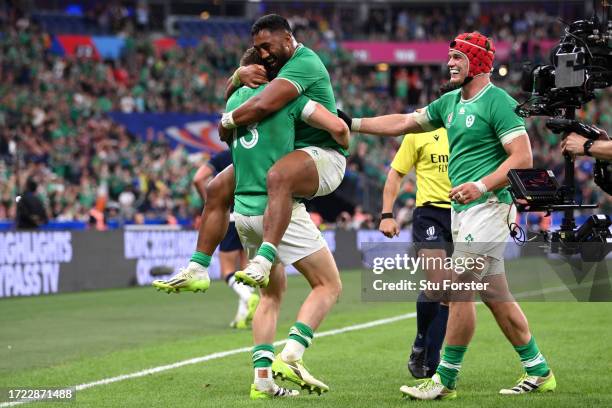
(231, 241)
(431, 228)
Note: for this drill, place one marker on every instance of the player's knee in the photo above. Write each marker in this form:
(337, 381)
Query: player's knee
(338, 289)
(334, 288)
(276, 180)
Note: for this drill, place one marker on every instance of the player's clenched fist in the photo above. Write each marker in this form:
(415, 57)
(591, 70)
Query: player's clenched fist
(253, 75)
(389, 227)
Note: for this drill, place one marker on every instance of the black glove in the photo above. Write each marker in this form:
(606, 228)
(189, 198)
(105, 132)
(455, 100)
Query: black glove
(346, 118)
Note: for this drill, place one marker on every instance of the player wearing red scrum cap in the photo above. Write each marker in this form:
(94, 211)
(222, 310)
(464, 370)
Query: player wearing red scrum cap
(486, 140)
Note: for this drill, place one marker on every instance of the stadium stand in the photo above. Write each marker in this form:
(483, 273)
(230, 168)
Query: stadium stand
(57, 101)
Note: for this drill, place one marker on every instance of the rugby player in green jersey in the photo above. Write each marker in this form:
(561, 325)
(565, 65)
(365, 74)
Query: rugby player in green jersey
(255, 149)
(486, 140)
(315, 168)
(317, 165)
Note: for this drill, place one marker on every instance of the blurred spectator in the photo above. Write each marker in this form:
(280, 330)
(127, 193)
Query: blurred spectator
(31, 212)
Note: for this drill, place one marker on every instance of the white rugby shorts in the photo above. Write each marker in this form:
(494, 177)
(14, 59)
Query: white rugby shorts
(483, 230)
(331, 166)
(302, 238)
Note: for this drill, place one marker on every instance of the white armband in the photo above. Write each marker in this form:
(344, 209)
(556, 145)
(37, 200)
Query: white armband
(227, 120)
(356, 124)
(308, 110)
(422, 119)
(481, 186)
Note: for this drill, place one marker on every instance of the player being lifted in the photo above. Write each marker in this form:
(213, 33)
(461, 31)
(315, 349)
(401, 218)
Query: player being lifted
(315, 168)
(487, 139)
(317, 165)
(255, 149)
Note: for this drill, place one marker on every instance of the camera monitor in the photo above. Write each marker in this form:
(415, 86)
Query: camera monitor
(534, 185)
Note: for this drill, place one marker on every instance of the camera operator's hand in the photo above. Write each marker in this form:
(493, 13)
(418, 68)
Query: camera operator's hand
(573, 144)
(603, 135)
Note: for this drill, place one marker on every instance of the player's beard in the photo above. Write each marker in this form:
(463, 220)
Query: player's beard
(271, 72)
(280, 61)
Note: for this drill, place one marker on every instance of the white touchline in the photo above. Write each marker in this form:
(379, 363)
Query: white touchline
(217, 355)
(222, 354)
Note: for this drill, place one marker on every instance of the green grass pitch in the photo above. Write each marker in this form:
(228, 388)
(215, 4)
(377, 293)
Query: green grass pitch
(71, 339)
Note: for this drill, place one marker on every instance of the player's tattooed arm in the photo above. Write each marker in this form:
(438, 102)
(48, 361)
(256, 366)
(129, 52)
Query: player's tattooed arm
(276, 95)
(316, 115)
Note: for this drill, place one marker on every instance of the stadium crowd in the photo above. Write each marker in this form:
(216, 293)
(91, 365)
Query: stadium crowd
(52, 110)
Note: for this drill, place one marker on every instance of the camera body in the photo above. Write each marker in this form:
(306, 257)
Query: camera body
(579, 64)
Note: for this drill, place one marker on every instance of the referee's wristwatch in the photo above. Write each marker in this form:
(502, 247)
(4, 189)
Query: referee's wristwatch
(587, 147)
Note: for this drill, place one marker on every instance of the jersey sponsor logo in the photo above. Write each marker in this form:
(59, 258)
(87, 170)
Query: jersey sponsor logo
(441, 160)
(436, 137)
(469, 120)
(462, 111)
(438, 158)
(469, 238)
(431, 234)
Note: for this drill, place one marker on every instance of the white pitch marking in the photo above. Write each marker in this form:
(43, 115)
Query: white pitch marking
(227, 353)
(218, 355)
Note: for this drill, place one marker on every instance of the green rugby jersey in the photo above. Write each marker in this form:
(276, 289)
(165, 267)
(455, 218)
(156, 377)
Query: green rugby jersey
(308, 74)
(476, 128)
(257, 147)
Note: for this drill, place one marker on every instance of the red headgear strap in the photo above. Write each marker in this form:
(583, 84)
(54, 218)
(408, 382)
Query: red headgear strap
(478, 49)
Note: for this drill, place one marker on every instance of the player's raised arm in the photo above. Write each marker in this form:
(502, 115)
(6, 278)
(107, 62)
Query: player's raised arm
(316, 115)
